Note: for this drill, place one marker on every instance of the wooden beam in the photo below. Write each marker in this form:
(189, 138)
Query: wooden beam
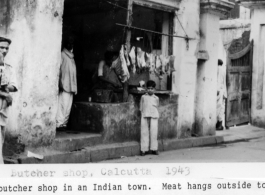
(128, 44)
(165, 5)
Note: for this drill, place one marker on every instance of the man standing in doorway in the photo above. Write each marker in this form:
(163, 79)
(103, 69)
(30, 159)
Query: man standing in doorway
(221, 95)
(67, 83)
(7, 84)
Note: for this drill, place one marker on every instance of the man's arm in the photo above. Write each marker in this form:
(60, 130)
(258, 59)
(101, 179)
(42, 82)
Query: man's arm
(3, 94)
(106, 80)
(7, 97)
(10, 88)
(102, 73)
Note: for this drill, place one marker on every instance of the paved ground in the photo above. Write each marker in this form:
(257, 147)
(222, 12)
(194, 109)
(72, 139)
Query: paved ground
(245, 150)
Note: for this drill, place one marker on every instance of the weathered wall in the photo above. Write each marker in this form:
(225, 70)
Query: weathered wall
(35, 27)
(184, 79)
(233, 29)
(121, 122)
(258, 92)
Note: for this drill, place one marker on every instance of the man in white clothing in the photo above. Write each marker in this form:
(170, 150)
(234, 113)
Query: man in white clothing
(7, 84)
(221, 95)
(67, 84)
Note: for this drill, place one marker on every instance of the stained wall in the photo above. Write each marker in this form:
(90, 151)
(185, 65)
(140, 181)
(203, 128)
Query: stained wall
(35, 27)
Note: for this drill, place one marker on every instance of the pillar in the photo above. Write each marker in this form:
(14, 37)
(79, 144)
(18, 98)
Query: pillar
(206, 89)
(258, 36)
(184, 78)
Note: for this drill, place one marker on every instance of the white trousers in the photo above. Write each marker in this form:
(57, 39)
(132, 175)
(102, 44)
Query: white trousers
(64, 108)
(149, 130)
(2, 139)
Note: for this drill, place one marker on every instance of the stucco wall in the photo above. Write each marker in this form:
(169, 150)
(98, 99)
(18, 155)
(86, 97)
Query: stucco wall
(233, 29)
(35, 27)
(184, 79)
(258, 91)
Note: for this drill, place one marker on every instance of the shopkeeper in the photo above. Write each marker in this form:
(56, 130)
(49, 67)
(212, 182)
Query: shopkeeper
(105, 77)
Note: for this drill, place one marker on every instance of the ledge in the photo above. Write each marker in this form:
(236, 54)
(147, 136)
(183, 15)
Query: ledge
(156, 92)
(252, 4)
(219, 7)
(235, 24)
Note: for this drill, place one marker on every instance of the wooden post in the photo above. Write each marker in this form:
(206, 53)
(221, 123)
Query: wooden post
(128, 43)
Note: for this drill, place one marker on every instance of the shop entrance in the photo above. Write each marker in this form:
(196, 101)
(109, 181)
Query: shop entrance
(94, 24)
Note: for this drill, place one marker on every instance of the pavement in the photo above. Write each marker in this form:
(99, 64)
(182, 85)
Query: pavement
(245, 149)
(100, 152)
(241, 133)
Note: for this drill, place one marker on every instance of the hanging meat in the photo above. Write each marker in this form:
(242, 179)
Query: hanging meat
(126, 51)
(140, 58)
(167, 58)
(148, 60)
(163, 63)
(152, 63)
(133, 59)
(125, 72)
(157, 62)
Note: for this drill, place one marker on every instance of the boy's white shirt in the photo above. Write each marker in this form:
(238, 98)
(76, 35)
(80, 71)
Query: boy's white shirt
(149, 106)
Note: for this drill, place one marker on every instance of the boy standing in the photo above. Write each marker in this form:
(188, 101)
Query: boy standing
(149, 121)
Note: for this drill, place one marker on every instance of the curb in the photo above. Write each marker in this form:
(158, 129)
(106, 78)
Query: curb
(241, 140)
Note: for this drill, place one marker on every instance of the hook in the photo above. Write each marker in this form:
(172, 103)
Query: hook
(187, 42)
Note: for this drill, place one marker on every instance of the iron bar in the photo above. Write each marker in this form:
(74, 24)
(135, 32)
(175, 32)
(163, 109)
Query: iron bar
(187, 38)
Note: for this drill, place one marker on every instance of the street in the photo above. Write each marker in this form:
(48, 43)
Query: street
(249, 151)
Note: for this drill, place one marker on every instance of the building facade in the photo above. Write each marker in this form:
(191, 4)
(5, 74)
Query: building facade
(36, 29)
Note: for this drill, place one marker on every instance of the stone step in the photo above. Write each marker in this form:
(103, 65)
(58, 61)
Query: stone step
(72, 141)
(102, 152)
(86, 155)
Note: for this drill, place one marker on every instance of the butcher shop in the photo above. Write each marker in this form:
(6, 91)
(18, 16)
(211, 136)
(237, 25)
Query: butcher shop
(137, 38)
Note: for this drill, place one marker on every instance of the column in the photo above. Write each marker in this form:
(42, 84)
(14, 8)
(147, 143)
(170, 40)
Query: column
(206, 89)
